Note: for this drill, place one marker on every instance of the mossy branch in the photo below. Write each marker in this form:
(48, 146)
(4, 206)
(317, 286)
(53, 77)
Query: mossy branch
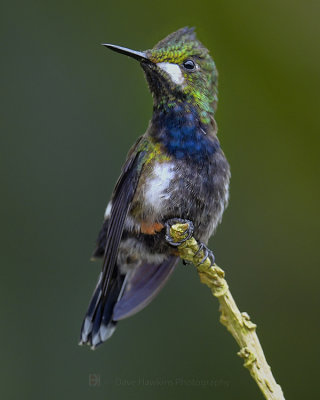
(237, 323)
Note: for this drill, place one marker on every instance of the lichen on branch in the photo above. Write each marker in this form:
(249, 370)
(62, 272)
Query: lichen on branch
(238, 324)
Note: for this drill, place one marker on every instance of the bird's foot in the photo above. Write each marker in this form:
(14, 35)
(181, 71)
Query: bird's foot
(185, 235)
(207, 253)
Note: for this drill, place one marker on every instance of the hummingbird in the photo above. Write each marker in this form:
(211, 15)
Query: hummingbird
(175, 172)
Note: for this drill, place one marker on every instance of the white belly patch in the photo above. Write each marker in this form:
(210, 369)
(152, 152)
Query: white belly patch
(157, 185)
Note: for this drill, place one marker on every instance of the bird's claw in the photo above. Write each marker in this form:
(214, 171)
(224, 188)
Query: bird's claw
(207, 253)
(188, 232)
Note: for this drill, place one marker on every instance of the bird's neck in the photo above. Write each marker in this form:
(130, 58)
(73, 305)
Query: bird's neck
(183, 135)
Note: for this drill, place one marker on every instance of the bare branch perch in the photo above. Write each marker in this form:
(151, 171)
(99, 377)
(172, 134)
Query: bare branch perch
(237, 323)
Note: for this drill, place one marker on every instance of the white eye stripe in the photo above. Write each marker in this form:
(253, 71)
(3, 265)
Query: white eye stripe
(173, 70)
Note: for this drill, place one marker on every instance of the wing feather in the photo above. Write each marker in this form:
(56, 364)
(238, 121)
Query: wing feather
(142, 287)
(121, 201)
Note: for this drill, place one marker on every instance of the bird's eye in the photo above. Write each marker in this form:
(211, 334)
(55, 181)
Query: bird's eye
(189, 65)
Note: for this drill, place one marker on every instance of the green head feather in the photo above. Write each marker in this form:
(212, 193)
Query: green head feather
(181, 70)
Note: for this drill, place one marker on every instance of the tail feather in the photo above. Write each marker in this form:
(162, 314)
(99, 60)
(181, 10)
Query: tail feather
(126, 295)
(98, 326)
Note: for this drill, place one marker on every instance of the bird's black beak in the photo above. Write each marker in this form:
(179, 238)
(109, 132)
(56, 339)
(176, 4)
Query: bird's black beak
(138, 55)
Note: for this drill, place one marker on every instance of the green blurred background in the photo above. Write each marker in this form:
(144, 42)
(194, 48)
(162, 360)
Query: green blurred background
(70, 110)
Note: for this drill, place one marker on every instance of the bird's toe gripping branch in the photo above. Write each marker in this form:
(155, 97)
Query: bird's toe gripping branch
(179, 234)
(182, 234)
(207, 253)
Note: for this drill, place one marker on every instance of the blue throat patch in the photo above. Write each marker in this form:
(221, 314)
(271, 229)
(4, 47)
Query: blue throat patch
(183, 135)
